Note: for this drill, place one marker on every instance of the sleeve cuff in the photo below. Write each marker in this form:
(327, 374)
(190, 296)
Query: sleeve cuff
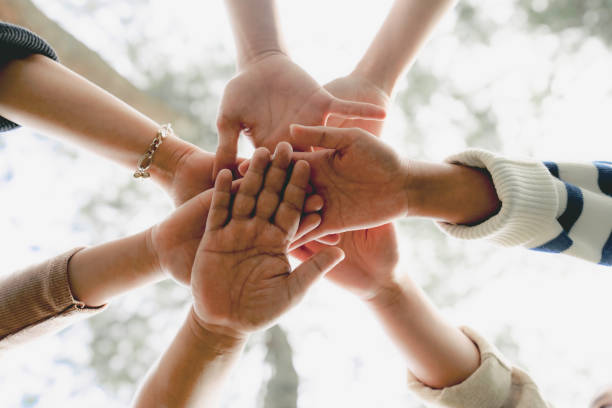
(489, 386)
(529, 198)
(38, 301)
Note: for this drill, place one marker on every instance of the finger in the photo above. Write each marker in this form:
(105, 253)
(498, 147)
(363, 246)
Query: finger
(301, 253)
(245, 200)
(308, 223)
(225, 157)
(331, 239)
(243, 167)
(305, 275)
(313, 235)
(356, 110)
(219, 208)
(303, 137)
(270, 195)
(313, 203)
(287, 216)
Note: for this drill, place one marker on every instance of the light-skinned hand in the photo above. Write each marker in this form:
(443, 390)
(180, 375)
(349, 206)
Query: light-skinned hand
(268, 95)
(371, 256)
(357, 88)
(241, 280)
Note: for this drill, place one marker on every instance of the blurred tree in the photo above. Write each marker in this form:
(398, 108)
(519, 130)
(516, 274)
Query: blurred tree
(588, 18)
(281, 389)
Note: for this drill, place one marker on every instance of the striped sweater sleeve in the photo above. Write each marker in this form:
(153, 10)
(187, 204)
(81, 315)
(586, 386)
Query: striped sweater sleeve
(18, 42)
(546, 206)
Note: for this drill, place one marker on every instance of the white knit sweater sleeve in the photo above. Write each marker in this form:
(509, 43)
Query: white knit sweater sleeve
(546, 206)
(495, 384)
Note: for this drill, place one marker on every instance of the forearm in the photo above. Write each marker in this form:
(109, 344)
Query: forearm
(256, 29)
(448, 192)
(99, 273)
(397, 43)
(192, 370)
(437, 353)
(40, 93)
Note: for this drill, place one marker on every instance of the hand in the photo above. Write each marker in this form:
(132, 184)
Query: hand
(241, 279)
(357, 88)
(362, 180)
(267, 96)
(176, 239)
(371, 256)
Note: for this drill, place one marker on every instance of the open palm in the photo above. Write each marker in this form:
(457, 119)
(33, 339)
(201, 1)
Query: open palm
(241, 279)
(359, 89)
(266, 97)
(176, 239)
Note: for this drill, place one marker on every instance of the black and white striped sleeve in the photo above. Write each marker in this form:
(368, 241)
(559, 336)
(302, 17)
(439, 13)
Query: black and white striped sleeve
(546, 206)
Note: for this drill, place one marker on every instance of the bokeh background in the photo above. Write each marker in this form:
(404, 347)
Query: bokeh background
(522, 77)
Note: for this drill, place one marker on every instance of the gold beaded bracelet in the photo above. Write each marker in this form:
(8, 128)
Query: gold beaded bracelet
(146, 160)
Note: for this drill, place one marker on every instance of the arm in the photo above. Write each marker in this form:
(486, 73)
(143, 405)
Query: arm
(42, 94)
(200, 358)
(438, 354)
(395, 47)
(241, 279)
(551, 207)
(256, 29)
(447, 366)
(397, 43)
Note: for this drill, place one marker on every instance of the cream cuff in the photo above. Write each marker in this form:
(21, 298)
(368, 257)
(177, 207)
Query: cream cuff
(489, 386)
(530, 201)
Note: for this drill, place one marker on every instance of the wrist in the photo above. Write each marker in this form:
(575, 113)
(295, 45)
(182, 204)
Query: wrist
(452, 193)
(377, 75)
(253, 57)
(393, 296)
(168, 159)
(219, 340)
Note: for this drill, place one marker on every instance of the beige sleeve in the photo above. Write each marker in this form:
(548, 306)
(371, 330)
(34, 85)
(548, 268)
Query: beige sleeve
(495, 384)
(37, 301)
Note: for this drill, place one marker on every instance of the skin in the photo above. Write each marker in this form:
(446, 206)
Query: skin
(437, 353)
(270, 91)
(43, 95)
(241, 281)
(99, 273)
(356, 196)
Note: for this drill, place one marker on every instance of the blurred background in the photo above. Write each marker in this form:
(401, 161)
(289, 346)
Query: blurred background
(522, 77)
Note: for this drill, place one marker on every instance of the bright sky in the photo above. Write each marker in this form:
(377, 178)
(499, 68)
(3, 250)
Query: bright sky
(553, 306)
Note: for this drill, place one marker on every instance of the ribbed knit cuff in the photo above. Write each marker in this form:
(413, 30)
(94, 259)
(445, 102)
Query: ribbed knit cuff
(37, 294)
(528, 195)
(489, 386)
(18, 42)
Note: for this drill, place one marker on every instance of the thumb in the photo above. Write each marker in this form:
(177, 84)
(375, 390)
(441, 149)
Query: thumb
(225, 157)
(305, 275)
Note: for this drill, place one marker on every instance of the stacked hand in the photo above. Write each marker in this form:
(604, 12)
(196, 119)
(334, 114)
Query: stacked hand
(362, 180)
(175, 240)
(241, 279)
(371, 256)
(267, 96)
